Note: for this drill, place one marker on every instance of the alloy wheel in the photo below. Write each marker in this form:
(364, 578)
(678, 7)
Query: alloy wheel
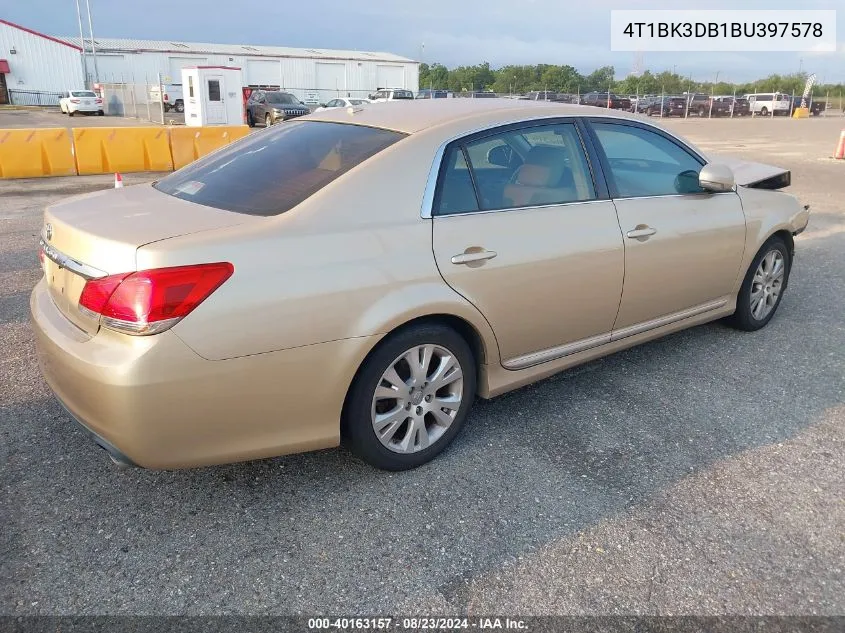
(767, 284)
(417, 398)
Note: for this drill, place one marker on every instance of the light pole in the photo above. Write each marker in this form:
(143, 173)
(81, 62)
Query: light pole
(82, 45)
(93, 45)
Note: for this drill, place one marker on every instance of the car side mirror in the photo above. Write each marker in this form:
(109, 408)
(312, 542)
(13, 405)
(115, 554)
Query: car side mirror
(716, 178)
(500, 155)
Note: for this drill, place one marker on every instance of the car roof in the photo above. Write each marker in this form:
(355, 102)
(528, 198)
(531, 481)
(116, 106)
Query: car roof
(413, 116)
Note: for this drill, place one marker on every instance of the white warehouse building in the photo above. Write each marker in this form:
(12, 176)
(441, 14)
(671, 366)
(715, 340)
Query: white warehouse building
(311, 74)
(32, 63)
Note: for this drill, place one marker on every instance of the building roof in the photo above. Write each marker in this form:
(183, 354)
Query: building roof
(420, 114)
(60, 40)
(245, 50)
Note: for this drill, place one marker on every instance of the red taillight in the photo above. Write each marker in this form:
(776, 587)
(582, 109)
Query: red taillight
(151, 301)
(74, 100)
(166, 98)
(99, 100)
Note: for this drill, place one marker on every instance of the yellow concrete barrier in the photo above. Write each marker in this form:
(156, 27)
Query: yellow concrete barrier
(105, 150)
(190, 143)
(28, 153)
(801, 113)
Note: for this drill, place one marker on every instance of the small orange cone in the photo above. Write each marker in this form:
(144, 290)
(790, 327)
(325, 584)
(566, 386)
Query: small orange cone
(118, 181)
(840, 148)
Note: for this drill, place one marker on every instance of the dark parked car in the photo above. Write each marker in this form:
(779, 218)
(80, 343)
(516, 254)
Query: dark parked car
(668, 106)
(269, 107)
(427, 93)
(541, 95)
(719, 106)
(605, 100)
(741, 107)
(816, 107)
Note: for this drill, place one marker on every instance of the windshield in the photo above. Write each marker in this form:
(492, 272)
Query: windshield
(282, 97)
(269, 173)
(82, 93)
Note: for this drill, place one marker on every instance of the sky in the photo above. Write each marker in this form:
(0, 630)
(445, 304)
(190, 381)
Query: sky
(451, 32)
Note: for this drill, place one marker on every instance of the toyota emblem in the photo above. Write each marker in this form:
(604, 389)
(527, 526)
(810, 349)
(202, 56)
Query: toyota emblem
(48, 231)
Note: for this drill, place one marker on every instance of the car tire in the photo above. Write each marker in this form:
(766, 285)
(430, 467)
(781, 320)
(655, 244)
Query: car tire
(101, 113)
(71, 112)
(764, 111)
(180, 106)
(755, 306)
(268, 121)
(702, 112)
(416, 433)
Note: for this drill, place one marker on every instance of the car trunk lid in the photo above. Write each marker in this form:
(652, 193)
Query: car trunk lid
(99, 234)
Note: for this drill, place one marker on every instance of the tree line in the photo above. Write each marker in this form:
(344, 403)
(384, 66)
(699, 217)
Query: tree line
(566, 79)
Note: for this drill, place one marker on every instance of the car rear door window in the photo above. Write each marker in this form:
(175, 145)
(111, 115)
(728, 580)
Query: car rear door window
(269, 173)
(645, 163)
(456, 193)
(532, 166)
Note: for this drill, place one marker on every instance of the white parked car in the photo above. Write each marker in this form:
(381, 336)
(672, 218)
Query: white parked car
(342, 103)
(86, 101)
(390, 94)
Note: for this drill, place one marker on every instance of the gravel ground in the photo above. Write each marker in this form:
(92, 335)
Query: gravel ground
(699, 474)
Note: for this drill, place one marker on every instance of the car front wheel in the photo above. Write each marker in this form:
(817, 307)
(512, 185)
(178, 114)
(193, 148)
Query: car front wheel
(410, 398)
(268, 121)
(763, 286)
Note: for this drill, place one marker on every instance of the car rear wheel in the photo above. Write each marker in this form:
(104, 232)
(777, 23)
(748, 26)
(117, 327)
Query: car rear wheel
(763, 286)
(702, 111)
(268, 121)
(764, 111)
(180, 106)
(71, 112)
(410, 398)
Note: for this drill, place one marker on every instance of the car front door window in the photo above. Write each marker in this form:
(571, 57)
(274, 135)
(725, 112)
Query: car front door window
(646, 163)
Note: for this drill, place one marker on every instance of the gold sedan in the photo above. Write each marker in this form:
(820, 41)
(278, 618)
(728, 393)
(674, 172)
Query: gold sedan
(362, 275)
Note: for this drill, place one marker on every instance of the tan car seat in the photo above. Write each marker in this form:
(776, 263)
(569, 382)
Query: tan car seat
(544, 178)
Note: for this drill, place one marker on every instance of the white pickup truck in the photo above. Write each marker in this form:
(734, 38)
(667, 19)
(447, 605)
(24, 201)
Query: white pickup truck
(173, 99)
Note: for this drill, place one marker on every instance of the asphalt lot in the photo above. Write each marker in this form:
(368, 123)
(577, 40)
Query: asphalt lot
(53, 117)
(699, 474)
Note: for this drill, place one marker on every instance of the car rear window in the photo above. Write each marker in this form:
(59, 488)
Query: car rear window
(403, 94)
(82, 93)
(272, 171)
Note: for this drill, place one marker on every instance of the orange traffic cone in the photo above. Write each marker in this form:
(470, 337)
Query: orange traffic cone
(840, 149)
(118, 181)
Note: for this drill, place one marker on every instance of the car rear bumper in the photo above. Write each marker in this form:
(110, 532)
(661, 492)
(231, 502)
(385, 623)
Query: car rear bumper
(153, 402)
(78, 107)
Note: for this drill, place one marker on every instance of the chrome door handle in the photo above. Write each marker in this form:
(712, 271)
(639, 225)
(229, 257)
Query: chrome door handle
(641, 231)
(468, 258)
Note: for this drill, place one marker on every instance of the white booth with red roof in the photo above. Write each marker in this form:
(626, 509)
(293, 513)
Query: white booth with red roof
(213, 95)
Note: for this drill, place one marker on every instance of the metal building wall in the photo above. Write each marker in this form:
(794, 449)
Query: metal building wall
(39, 63)
(296, 75)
